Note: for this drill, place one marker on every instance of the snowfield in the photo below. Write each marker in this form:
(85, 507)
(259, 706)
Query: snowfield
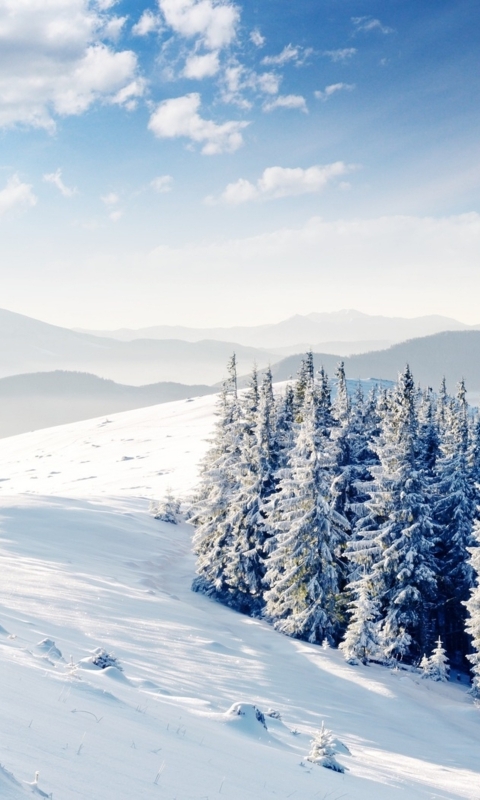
(84, 565)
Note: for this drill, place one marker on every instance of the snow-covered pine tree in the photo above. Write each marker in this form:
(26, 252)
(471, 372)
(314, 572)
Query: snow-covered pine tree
(361, 640)
(244, 567)
(395, 544)
(219, 481)
(285, 426)
(323, 750)
(302, 568)
(454, 513)
(305, 376)
(473, 608)
(438, 667)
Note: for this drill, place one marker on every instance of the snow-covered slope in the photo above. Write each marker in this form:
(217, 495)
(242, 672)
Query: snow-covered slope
(83, 565)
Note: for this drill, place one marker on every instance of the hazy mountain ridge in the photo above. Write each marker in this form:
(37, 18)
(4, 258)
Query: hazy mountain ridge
(347, 325)
(30, 345)
(46, 399)
(453, 355)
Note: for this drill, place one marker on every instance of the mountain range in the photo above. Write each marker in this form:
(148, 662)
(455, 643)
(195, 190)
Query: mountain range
(312, 330)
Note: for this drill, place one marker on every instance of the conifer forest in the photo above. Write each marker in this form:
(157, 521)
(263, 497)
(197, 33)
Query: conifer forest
(347, 519)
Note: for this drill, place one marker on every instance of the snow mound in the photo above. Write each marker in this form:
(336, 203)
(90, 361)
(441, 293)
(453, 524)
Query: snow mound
(247, 717)
(49, 648)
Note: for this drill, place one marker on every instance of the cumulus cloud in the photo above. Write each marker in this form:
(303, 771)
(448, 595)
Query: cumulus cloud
(179, 117)
(55, 60)
(56, 179)
(256, 38)
(278, 182)
(148, 23)
(214, 22)
(369, 24)
(294, 101)
(343, 54)
(16, 195)
(333, 88)
(203, 66)
(162, 184)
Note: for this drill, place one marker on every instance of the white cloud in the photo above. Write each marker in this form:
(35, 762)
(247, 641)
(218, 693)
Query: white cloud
(333, 89)
(162, 184)
(114, 27)
(55, 178)
(256, 38)
(284, 182)
(369, 24)
(289, 53)
(179, 117)
(110, 199)
(212, 21)
(16, 195)
(199, 67)
(55, 62)
(238, 80)
(343, 54)
(115, 215)
(104, 5)
(294, 101)
(148, 23)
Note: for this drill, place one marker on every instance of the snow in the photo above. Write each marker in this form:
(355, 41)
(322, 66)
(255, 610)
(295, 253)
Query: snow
(84, 565)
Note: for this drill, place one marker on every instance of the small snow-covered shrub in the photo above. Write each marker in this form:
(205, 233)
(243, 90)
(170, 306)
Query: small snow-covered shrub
(167, 509)
(323, 750)
(436, 667)
(103, 659)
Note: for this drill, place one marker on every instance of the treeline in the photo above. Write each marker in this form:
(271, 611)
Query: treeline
(353, 520)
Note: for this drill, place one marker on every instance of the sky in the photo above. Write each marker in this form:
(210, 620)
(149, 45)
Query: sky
(209, 162)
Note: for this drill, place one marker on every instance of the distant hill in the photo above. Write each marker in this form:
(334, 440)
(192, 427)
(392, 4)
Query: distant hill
(454, 354)
(28, 345)
(302, 331)
(42, 400)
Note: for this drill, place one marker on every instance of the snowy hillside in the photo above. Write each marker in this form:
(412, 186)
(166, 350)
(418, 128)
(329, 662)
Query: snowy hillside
(85, 566)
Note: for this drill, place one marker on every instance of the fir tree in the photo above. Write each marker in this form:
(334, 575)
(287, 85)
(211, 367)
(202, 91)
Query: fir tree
(361, 641)
(473, 608)
(302, 572)
(219, 481)
(323, 750)
(454, 514)
(244, 567)
(396, 542)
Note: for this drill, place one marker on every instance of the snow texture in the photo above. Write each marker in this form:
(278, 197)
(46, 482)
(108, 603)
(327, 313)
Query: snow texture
(84, 565)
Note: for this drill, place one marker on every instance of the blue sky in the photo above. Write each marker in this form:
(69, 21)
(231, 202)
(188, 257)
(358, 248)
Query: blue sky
(204, 162)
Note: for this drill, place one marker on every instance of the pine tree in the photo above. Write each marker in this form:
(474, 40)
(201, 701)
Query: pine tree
(395, 545)
(306, 375)
(323, 750)
(244, 568)
(361, 641)
(219, 481)
(438, 663)
(454, 514)
(302, 571)
(473, 608)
